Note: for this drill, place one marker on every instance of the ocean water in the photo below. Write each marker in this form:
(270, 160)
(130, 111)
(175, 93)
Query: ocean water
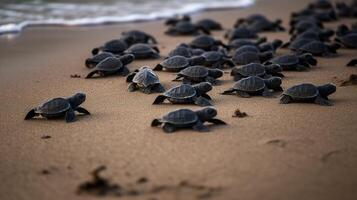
(15, 15)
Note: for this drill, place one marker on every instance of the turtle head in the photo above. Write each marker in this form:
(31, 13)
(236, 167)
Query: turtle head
(206, 113)
(266, 56)
(273, 83)
(127, 58)
(342, 30)
(277, 43)
(261, 40)
(308, 58)
(128, 39)
(215, 73)
(203, 87)
(326, 90)
(273, 68)
(77, 99)
(197, 60)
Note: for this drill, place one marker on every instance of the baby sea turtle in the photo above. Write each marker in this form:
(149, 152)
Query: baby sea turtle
(143, 51)
(297, 43)
(140, 37)
(206, 43)
(217, 59)
(60, 107)
(145, 80)
(248, 57)
(187, 94)
(344, 30)
(270, 46)
(235, 44)
(197, 74)
(114, 46)
(176, 19)
(181, 50)
(348, 40)
(188, 119)
(318, 48)
(209, 24)
(186, 28)
(94, 60)
(255, 85)
(265, 25)
(177, 63)
(256, 69)
(352, 63)
(307, 92)
(293, 62)
(241, 32)
(112, 65)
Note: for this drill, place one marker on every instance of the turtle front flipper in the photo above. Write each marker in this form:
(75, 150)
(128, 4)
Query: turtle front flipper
(130, 77)
(285, 99)
(124, 71)
(323, 102)
(227, 92)
(267, 93)
(178, 77)
(168, 128)
(229, 62)
(159, 99)
(216, 121)
(243, 94)
(82, 110)
(91, 74)
(132, 87)
(70, 116)
(31, 114)
(202, 101)
(199, 126)
(158, 67)
(352, 63)
(206, 96)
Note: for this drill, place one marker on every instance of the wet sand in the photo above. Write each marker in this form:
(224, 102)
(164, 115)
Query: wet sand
(296, 151)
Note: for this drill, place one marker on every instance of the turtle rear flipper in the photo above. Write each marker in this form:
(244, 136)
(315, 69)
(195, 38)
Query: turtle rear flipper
(168, 128)
(91, 74)
(159, 99)
(201, 101)
(323, 102)
(227, 92)
(70, 116)
(216, 121)
(199, 126)
(352, 63)
(243, 94)
(31, 114)
(82, 110)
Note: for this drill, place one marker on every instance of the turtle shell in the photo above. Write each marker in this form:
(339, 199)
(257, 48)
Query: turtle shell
(302, 91)
(138, 36)
(181, 92)
(247, 48)
(209, 24)
(246, 58)
(252, 69)
(140, 49)
(185, 27)
(242, 32)
(237, 43)
(314, 47)
(181, 117)
(91, 62)
(175, 62)
(181, 51)
(109, 64)
(286, 60)
(250, 84)
(212, 56)
(195, 72)
(146, 77)
(296, 44)
(349, 40)
(115, 46)
(54, 106)
(203, 41)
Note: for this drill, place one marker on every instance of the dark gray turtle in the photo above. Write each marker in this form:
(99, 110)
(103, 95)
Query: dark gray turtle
(255, 85)
(188, 119)
(60, 107)
(206, 43)
(320, 4)
(303, 26)
(197, 74)
(250, 19)
(352, 63)
(176, 19)
(293, 62)
(307, 92)
(139, 37)
(297, 43)
(186, 28)
(177, 63)
(143, 51)
(145, 80)
(112, 65)
(256, 69)
(247, 48)
(181, 50)
(344, 30)
(348, 40)
(187, 94)
(114, 46)
(217, 59)
(248, 57)
(94, 60)
(241, 32)
(270, 46)
(237, 43)
(345, 10)
(265, 25)
(318, 48)
(209, 24)
(315, 34)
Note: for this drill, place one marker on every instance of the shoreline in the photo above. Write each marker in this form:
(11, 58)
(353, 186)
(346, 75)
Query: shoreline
(298, 151)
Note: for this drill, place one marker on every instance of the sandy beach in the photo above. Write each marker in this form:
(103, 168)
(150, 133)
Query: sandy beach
(296, 151)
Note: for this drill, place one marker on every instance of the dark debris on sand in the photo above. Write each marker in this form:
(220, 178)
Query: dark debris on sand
(75, 76)
(239, 114)
(46, 137)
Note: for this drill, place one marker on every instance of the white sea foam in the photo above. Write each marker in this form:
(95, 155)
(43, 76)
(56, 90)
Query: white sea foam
(15, 17)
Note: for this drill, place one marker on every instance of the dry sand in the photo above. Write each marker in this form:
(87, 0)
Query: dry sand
(296, 151)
